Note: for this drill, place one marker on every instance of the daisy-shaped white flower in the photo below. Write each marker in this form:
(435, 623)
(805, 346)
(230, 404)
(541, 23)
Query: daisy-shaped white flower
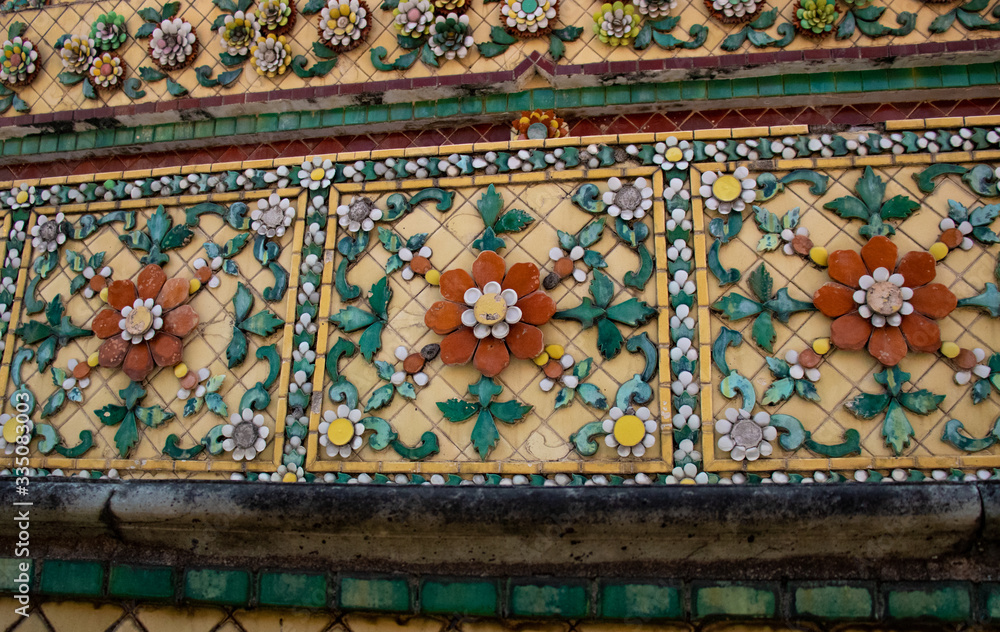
(420, 259)
(245, 435)
(628, 201)
(565, 263)
(558, 370)
(48, 234)
(686, 450)
(679, 250)
(90, 274)
(745, 437)
(17, 232)
(341, 432)
(317, 173)
(673, 154)
(141, 320)
(490, 310)
(964, 227)
(284, 474)
(22, 196)
(8, 285)
(728, 192)
(980, 370)
(9, 432)
(630, 433)
(797, 371)
(361, 214)
(272, 216)
(883, 299)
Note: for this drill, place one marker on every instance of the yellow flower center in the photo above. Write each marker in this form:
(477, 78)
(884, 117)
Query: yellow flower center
(289, 477)
(490, 309)
(317, 174)
(727, 188)
(674, 154)
(138, 321)
(10, 433)
(341, 431)
(629, 430)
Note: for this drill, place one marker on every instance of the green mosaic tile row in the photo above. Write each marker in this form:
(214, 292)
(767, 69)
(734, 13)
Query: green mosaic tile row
(695, 90)
(515, 598)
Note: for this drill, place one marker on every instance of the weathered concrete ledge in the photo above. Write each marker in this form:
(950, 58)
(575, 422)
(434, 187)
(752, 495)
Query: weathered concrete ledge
(929, 531)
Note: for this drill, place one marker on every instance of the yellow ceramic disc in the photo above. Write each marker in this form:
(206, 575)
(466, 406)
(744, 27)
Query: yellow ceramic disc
(10, 431)
(317, 174)
(674, 154)
(22, 197)
(289, 477)
(341, 431)
(629, 430)
(727, 188)
(490, 309)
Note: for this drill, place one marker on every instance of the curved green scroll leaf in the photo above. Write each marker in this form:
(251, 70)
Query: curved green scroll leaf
(588, 197)
(345, 289)
(583, 439)
(343, 348)
(727, 338)
(982, 179)
(428, 445)
(851, 445)
(639, 278)
(343, 391)
(735, 383)
(925, 179)
(384, 434)
(86, 442)
(443, 198)
(793, 435)
(642, 344)
(213, 440)
(953, 434)
(725, 276)
(270, 353)
(31, 304)
(257, 398)
(50, 438)
(818, 184)
(276, 292)
(178, 453)
(635, 391)
(24, 354)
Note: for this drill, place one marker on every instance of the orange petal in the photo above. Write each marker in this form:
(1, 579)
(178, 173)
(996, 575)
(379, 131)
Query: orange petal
(917, 268)
(847, 267)
(454, 283)
(458, 347)
(922, 333)
(112, 352)
(834, 299)
(933, 300)
(879, 252)
(525, 341)
(887, 345)
(180, 321)
(150, 280)
(166, 350)
(121, 293)
(444, 317)
(536, 308)
(850, 331)
(488, 266)
(105, 324)
(138, 362)
(522, 278)
(491, 357)
(173, 293)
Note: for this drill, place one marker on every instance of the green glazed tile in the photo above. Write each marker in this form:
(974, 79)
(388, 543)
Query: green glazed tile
(991, 601)
(745, 87)
(954, 76)
(543, 99)
(30, 144)
(310, 119)
(72, 578)
(377, 113)
(217, 586)
(387, 595)
(874, 80)
(459, 597)
(137, 582)
(183, 131)
(448, 107)
(592, 97)
(945, 603)
(225, 126)
(901, 79)
(204, 129)
(822, 83)
(50, 142)
(246, 125)
(668, 91)
(471, 105)
(518, 101)
(496, 103)
(720, 89)
(12, 147)
(293, 589)
(67, 142)
(834, 602)
(796, 84)
(332, 118)
(288, 122)
(355, 115)
(143, 135)
(617, 95)
(105, 138)
(927, 77)
(643, 93)
(982, 74)
(426, 109)
(640, 601)
(848, 81)
(770, 86)
(734, 600)
(401, 111)
(267, 123)
(694, 90)
(545, 600)
(11, 572)
(122, 136)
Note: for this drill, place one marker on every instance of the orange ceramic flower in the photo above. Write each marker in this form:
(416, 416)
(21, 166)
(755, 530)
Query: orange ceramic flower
(885, 311)
(539, 125)
(491, 314)
(144, 327)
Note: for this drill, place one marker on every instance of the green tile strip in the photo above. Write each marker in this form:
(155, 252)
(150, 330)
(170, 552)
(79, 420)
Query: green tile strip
(387, 595)
(944, 603)
(15, 572)
(459, 597)
(138, 582)
(293, 589)
(72, 578)
(900, 79)
(640, 601)
(548, 600)
(833, 602)
(217, 586)
(734, 600)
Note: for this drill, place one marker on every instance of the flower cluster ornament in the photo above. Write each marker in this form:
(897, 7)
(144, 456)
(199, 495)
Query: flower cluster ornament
(245, 435)
(733, 11)
(107, 72)
(238, 33)
(341, 432)
(745, 437)
(275, 16)
(444, 7)
(344, 24)
(655, 9)
(75, 53)
(489, 315)
(528, 18)
(19, 63)
(617, 24)
(885, 311)
(565, 265)
(539, 125)
(21, 196)
(628, 201)
(271, 56)
(728, 192)
(815, 18)
(359, 215)
(109, 31)
(971, 363)
(413, 18)
(272, 216)
(145, 323)
(48, 234)
(317, 173)
(630, 432)
(451, 36)
(673, 154)
(174, 44)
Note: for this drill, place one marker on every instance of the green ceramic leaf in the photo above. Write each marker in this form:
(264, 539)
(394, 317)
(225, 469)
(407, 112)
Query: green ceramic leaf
(513, 221)
(583, 439)
(33, 331)
(727, 338)
(153, 416)
(592, 396)
(735, 383)
(899, 207)
(174, 451)
(384, 434)
(407, 390)
(111, 414)
(263, 323)
(778, 392)
(175, 89)
(485, 390)
(954, 434)
(586, 313)
(588, 197)
(371, 340)
(256, 398)
(642, 344)
(192, 406)
(639, 278)
(380, 296)
(921, 401)
(793, 434)
(237, 349)
(86, 442)
(896, 428)
(457, 410)
(380, 398)
(609, 339)
(851, 445)
(806, 390)
(484, 433)
(761, 283)
(127, 435)
(428, 446)
(384, 369)
(634, 391)
(46, 353)
(588, 235)
(632, 312)
(510, 411)
(151, 74)
(735, 306)
(215, 404)
(602, 289)
(582, 368)
(489, 241)
(867, 405)
(563, 398)
(489, 205)
(242, 302)
(352, 319)
(54, 403)
(982, 179)
(784, 306)
(848, 207)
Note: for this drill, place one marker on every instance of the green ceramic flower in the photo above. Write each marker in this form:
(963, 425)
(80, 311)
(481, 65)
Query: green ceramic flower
(817, 16)
(616, 24)
(451, 36)
(273, 15)
(109, 31)
(76, 53)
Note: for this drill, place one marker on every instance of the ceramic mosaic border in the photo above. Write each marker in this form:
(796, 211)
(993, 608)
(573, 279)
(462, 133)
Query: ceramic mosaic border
(888, 149)
(516, 598)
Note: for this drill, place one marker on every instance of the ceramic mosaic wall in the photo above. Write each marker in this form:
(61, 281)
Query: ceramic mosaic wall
(745, 304)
